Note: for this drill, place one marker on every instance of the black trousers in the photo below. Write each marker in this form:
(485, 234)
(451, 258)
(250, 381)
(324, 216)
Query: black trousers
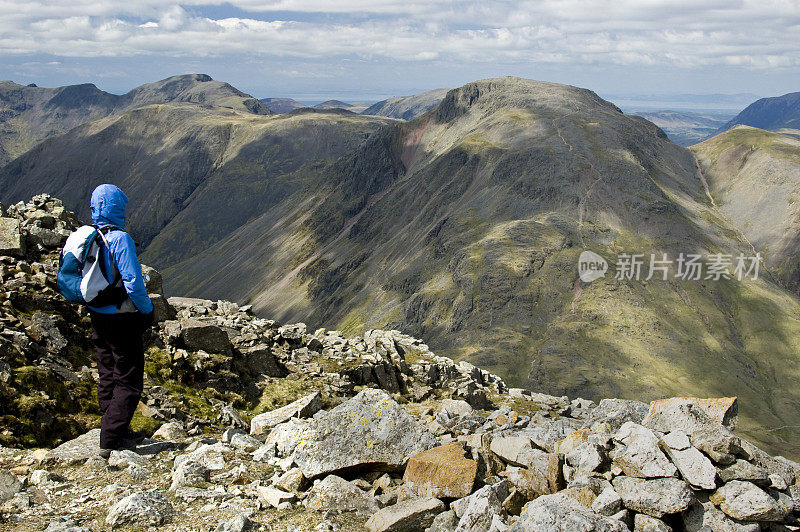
(117, 340)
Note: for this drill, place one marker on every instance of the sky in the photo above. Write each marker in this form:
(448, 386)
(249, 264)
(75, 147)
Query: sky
(354, 50)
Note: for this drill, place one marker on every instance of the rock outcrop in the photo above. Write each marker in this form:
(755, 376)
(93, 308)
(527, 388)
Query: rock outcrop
(323, 431)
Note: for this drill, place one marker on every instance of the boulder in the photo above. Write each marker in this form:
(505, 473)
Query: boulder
(547, 433)
(302, 408)
(406, 516)
(587, 456)
(456, 407)
(274, 497)
(199, 336)
(171, 431)
(292, 480)
(746, 501)
(639, 455)
(477, 512)
(260, 360)
(645, 523)
(655, 497)
(141, 508)
(335, 493)
(703, 516)
(608, 502)
(694, 466)
(240, 523)
(154, 283)
(76, 450)
(511, 448)
(743, 470)
(370, 428)
(543, 474)
(561, 513)
(188, 473)
(9, 485)
(67, 525)
(723, 410)
(613, 413)
(12, 240)
(162, 310)
(441, 472)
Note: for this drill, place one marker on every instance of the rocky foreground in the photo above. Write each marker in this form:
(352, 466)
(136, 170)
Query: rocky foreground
(254, 425)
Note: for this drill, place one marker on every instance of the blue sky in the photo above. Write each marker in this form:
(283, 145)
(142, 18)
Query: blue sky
(356, 50)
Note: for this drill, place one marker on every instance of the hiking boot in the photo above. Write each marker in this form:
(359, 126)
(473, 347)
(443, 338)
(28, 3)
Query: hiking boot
(125, 443)
(135, 435)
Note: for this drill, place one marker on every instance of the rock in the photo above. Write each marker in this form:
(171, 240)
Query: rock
(44, 329)
(274, 497)
(444, 522)
(616, 412)
(188, 473)
(171, 431)
(76, 450)
(370, 428)
(9, 485)
(406, 516)
(547, 432)
(304, 407)
(456, 407)
(66, 526)
(509, 448)
(240, 523)
(335, 493)
(723, 410)
(260, 360)
(241, 440)
(210, 455)
(561, 513)
(12, 240)
(477, 511)
(199, 336)
(141, 508)
(292, 480)
(162, 310)
(645, 523)
(640, 455)
(283, 439)
(655, 497)
(746, 501)
(441, 472)
(608, 502)
(587, 456)
(693, 465)
(703, 516)
(42, 476)
(543, 475)
(153, 281)
(293, 332)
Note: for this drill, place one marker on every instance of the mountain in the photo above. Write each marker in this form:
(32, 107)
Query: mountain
(465, 226)
(29, 114)
(282, 105)
(683, 127)
(355, 107)
(754, 177)
(770, 113)
(407, 107)
(193, 172)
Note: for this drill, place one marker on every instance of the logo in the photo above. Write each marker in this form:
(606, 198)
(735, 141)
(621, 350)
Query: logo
(591, 266)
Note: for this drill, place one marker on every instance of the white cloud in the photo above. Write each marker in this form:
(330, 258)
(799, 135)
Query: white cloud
(748, 33)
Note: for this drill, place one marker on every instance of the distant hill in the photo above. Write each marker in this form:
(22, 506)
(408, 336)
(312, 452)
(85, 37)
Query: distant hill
(282, 105)
(683, 127)
(770, 113)
(355, 107)
(754, 176)
(407, 107)
(30, 114)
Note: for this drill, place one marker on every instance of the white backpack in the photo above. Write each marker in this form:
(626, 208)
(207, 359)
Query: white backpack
(80, 275)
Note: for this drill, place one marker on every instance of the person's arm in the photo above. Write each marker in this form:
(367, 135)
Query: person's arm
(124, 251)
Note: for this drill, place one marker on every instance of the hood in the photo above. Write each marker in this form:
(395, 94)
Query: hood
(108, 206)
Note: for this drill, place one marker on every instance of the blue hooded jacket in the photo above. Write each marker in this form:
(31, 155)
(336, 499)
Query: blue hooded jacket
(108, 208)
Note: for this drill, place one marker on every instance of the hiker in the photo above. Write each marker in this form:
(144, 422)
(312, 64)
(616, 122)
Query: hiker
(118, 327)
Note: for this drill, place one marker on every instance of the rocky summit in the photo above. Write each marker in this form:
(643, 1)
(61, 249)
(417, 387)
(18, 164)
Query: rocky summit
(256, 425)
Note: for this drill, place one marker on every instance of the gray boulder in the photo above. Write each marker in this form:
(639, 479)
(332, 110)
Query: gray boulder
(478, 511)
(335, 493)
(703, 516)
(76, 450)
(260, 359)
(12, 240)
(188, 473)
(240, 523)
(141, 508)
(9, 485)
(561, 513)
(645, 523)
(413, 514)
(199, 336)
(616, 412)
(655, 497)
(693, 465)
(639, 455)
(302, 408)
(746, 501)
(370, 428)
